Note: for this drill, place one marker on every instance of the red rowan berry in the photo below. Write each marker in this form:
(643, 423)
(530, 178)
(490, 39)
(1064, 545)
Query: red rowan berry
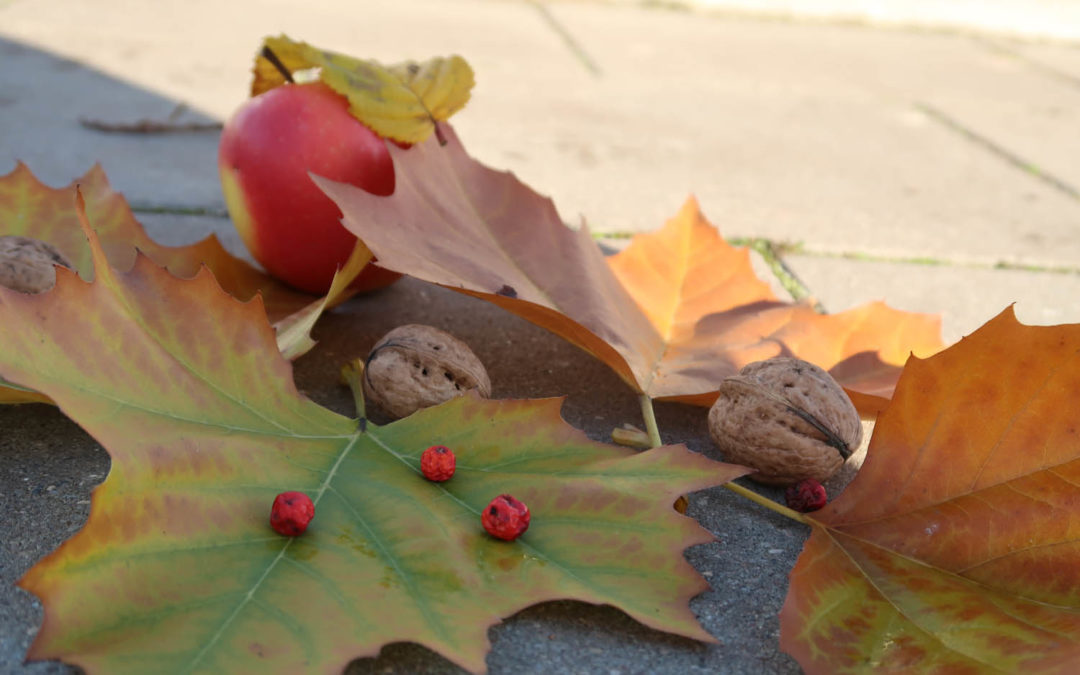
(806, 496)
(505, 518)
(438, 463)
(291, 513)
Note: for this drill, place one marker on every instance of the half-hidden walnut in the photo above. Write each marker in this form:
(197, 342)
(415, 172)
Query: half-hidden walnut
(28, 265)
(417, 366)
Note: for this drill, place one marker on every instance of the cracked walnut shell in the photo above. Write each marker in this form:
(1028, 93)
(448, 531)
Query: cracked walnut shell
(28, 265)
(416, 366)
(787, 418)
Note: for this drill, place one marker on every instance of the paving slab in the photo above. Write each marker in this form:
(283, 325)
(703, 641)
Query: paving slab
(808, 133)
(46, 94)
(201, 51)
(1065, 62)
(1034, 125)
(173, 229)
(1027, 19)
(143, 62)
(814, 134)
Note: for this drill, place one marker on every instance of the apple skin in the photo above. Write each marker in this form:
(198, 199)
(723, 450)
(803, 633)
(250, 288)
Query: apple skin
(287, 223)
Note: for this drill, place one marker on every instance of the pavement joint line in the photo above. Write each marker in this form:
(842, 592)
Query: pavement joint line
(780, 249)
(568, 39)
(998, 150)
(858, 256)
(990, 44)
(771, 253)
(795, 17)
(179, 210)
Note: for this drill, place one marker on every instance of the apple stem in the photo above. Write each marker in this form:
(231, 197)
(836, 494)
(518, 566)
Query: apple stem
(270, 56)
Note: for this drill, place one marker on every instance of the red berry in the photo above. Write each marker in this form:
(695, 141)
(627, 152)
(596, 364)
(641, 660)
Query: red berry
(438, 463)
(291, 513)
(806, 496)
(505, 518)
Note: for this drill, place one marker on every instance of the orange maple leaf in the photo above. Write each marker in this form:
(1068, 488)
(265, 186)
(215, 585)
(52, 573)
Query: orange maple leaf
(672, 315)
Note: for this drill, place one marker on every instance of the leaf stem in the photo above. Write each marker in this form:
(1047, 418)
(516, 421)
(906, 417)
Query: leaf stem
(633, 438)
(654, 438)
(766, 502)
(650, 421)
(270, 56)
(352, 373)
(681, 504)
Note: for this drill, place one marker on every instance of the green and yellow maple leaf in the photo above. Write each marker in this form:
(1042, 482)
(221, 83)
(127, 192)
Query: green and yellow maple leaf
(177, 569)
(956, 547)
(402, 101)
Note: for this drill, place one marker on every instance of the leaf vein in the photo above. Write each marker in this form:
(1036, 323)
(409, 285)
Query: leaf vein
(269, 568)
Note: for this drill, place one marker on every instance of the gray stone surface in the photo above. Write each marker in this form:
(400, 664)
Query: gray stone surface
(881, 143)
(1025, 19)
(1039, 106)
(1066, 62)
(899, 183)
(682, 104)
(43, 96)
(179, 230)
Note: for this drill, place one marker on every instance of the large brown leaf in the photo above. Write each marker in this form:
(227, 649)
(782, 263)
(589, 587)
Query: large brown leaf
(957, 546)
(673, 314)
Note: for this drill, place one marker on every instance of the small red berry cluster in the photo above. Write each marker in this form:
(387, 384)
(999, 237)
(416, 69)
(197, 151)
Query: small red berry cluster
(504, 517)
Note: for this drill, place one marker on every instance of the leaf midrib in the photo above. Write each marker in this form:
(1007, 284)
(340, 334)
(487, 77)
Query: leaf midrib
(202, 423)
(933, 637)
(570, 573)
(136, 317)
(249, 596)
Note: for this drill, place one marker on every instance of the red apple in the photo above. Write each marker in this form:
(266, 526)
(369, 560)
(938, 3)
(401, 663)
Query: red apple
(287, 223)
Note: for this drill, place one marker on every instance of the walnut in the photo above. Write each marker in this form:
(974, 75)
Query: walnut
(415, 366)
(787, 418)
(28, 265)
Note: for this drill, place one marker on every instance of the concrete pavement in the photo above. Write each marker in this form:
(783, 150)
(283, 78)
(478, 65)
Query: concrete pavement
(936, 171)
(1057, 20)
